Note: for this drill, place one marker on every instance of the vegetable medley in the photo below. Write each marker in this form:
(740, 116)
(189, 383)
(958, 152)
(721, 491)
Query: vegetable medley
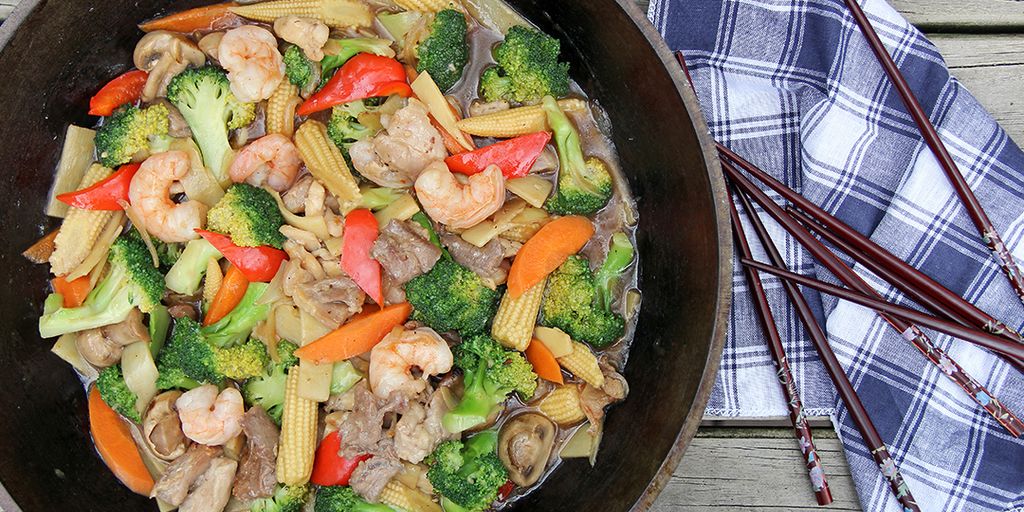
(330, 254)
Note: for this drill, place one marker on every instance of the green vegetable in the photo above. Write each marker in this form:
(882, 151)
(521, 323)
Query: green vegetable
(343, 377)
(491, 372)
(287, 498)
(584, 184)
(190, 358)
(399, 24)
(249, 215)
(445, 52)
(620, 255)
(203, 95)
(344, 128)
(159, 325)
(129, 132)
(186, 274)
(267, 390)
(378, 198)
(452, 298)
(236, 326)
(527, 70)
(297, 67)
(570, 304)
(341, 498)
(131, 282)
(345, 49)
(115, 393)
(422, 219)
(468, 474)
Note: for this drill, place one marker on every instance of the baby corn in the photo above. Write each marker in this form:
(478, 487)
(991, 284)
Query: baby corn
(326, 163)
(425, 5)
(582, 363)
(563, 405)
(515, 121)
(516, 318)
(402, 497)
(298, 434)
(281, 109)
(80, 229)
(334, 13)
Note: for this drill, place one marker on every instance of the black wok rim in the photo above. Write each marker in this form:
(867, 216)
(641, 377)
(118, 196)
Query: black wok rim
(725, 249)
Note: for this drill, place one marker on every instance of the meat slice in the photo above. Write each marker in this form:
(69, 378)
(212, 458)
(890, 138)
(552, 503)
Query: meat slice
(361, 424)
(488, 261)
(372, 475)
(405, 251)
(332, 301)
(394, 158)
(594, 400)
(213, 490)
(419, 430)
(173, 486)
(256, 473)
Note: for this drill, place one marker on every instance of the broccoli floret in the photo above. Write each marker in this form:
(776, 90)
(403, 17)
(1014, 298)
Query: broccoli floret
(167, 252)
(527, 70)
(203, 95)
(491, 372)
(341, 498)
(131, 281)
(115, 393)
(445, 52)
(249, 215)
(297, 67)
(129, 132)
(242, 361)
(190, 357)
(452, 298)
(570, 305)
(468, 474)
(339, 51)
(620, 254)
(236, 326)
(186, 273)
(344, 128)
(287, 498)
(584, 184)
(267, 390)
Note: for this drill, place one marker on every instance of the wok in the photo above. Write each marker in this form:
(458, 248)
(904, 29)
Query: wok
(55, 54)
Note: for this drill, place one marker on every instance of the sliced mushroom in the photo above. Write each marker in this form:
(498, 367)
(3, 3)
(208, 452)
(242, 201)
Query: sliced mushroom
(97, 349)
(164, 54)
(178, 127)
(210, 43)
(162, 427)
(309, 34)
(524, 446)
(128, 331)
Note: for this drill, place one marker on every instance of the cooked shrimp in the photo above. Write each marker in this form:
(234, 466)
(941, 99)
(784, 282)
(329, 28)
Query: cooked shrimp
(254, 64)
(393, 359)
(210, 418)
(150, 194)
(272, 159)
(456, 205)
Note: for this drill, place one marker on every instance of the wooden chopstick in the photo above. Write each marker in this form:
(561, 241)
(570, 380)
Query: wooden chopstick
(910, 332)
(989, 233)
(868, 252)
(873, 440)
(977, 337)
(801, 429)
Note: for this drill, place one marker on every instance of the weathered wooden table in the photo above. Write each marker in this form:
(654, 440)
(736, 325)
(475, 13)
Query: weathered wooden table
(752, 464)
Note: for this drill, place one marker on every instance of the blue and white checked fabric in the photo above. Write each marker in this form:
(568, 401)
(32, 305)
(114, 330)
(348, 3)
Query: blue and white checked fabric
(793, 86)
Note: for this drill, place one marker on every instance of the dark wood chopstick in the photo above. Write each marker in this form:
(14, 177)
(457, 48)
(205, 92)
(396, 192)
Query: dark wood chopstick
(859, 415)
(867, 250)
(910, 332)
(975, 336)
(801, 429)
(989, 234)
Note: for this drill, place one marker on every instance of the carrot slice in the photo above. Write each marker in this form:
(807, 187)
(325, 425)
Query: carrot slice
(546, 251)
(231, 291)
(116, 446)
(211, 17)
(74, 292)
(357, 336)
(544, 363)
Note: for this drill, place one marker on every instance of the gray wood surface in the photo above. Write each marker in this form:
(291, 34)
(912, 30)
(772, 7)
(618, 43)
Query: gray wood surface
(744, 468)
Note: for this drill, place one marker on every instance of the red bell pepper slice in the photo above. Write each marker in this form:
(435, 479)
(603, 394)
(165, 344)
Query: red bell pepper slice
(329, 468)
(124, 89)
(258, 264)
(515, 156)
(363, 76)
(107, 194)
(506, 490)
(356, 242)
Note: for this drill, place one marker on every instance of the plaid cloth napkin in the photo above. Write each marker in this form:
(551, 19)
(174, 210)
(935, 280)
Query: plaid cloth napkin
(793, 86)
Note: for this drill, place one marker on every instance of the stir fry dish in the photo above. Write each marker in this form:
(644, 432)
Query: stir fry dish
(341, 256)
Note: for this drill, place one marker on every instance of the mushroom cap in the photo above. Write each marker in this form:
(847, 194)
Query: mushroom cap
(525, 443)
(161, 427)
(97, 349)
(159, 44)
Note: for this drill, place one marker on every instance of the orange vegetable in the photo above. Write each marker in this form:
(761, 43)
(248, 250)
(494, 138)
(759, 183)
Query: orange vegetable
(357, 336)
(74, 292)
(231, 291)
(547, 250)
(116, 446)
(208, 18)
(544, 363)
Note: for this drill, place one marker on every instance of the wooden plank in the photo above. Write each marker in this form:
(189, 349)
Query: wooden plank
(760, 471)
